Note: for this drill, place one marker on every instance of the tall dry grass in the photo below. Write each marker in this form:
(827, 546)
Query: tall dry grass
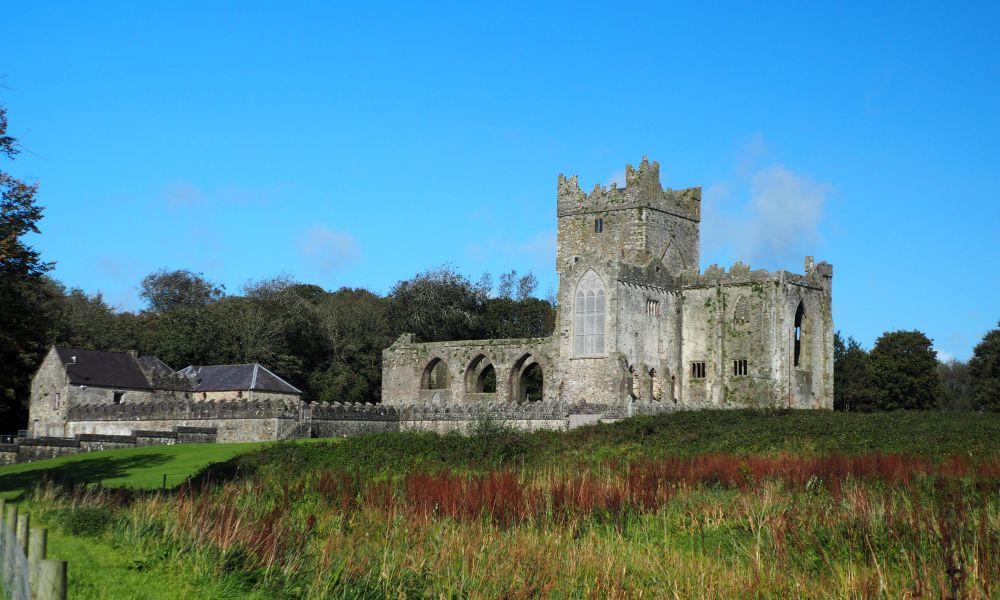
(716, 525)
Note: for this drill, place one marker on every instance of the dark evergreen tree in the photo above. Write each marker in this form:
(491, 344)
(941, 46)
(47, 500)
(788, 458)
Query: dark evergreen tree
(852, 376)
(984, 372)
(904, 371)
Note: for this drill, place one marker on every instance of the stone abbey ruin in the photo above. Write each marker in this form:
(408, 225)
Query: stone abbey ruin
(639, 330)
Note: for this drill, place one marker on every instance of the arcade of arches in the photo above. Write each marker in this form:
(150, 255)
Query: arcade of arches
(514, 371)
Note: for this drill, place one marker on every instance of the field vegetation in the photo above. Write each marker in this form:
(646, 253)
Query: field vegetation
(713, 504)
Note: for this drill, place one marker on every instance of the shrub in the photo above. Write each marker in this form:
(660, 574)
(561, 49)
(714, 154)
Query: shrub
(90, 521)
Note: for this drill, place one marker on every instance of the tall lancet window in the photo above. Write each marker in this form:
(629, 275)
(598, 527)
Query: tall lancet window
(588, 329)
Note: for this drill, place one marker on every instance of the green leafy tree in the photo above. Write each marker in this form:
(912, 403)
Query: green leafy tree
(165, 290)
(87, 321)
(956, 385)
(440, 304)
(358, 329)
(506, 318)
(984, 371)
(190, 336)
(27, 297)
(904, 371)
(852, 376)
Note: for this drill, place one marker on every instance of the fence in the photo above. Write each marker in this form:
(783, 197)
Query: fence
(25, 574)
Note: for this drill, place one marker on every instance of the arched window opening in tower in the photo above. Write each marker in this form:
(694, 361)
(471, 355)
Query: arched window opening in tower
(741, 313)
(800, 315)
(598, 225)
(588, 334)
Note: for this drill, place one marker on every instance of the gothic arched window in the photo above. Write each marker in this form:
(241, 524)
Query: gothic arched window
(588, 330)
(741, 314)
(800, 333)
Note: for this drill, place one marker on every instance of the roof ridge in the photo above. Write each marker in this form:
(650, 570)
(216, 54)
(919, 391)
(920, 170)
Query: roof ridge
(278, 377)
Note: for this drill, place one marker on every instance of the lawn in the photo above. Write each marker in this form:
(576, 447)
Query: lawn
(136, 468)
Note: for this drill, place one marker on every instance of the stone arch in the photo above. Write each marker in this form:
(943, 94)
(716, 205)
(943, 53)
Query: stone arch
(590, 316)
(481, 376)
(435, 375)
(741, 311)
(527, 380)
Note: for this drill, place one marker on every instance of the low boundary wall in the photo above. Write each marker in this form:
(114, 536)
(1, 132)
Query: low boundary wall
(129, 425)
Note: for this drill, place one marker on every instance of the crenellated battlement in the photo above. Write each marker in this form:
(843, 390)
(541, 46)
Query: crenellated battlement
(185, 410)
(817, 276)
(349, 411)
(501, 411)
(642, 189)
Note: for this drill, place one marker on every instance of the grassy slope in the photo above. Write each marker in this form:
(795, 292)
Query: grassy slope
(932, 435)
(929, 434)
(99, 569)
(138, 468)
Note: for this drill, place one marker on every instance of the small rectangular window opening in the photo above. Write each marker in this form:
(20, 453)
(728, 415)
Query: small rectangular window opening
(598, 225)
(740, 367)
(653, 308)
(698, 370)
(58, 399)
(117, 397)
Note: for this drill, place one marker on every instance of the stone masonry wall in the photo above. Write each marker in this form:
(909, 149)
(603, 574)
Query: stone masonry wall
(404, 365)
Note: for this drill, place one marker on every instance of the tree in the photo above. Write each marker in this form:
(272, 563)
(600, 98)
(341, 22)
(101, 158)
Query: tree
(26, 295)
(506, 287)
(904, 371)
(956, 385)
(984, 372)
(506, 318)
(165, 290)
(440, 304)
(852, 380)
(358, 329)
(526, 286)
(86, 321)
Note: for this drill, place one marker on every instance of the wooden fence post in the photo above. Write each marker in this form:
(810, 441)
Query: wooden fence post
(23, 521)
(36, 553)
(51, 580)
(11, 519)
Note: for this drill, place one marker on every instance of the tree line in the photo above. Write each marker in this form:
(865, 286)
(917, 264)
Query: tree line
(902, 371)
(326, 343)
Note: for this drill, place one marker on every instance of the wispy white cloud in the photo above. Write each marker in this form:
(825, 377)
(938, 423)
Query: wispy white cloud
(768, 214)
(782, 217)
(328, 250)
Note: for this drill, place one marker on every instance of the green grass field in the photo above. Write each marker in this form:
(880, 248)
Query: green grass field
(721, 503)
(136, 468)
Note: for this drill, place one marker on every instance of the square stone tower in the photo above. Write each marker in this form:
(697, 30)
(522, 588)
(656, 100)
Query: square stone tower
(636, 225)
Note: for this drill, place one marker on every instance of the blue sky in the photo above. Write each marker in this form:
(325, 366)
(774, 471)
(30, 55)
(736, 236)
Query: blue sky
(349, 146)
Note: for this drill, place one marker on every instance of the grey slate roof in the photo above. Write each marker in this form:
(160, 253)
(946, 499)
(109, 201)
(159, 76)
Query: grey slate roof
(224, 378)
(104, 369)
